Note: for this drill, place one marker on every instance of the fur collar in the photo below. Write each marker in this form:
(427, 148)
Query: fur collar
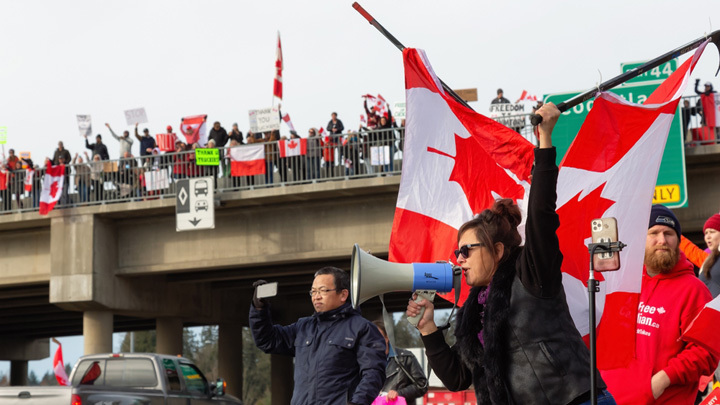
(487, 363)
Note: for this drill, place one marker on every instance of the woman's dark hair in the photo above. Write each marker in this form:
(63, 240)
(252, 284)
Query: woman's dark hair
(709, 263)
(497, 224)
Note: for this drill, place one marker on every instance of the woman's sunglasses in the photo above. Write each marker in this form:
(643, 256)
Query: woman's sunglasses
(464, 250)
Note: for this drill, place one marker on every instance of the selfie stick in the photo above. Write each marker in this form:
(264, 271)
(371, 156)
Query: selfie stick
(593, 287)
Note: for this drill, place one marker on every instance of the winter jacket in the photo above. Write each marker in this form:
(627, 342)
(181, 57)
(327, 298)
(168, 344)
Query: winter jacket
(533, 354)
(696, 255)
(339, 355)
(98, 149)
(712, 282)
(125, 143)
(146, 142)
(220, 137)
(65, 154)
(398, 380)
(668, 303)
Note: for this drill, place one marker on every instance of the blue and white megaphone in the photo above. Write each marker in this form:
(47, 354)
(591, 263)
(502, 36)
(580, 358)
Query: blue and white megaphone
(370, 276)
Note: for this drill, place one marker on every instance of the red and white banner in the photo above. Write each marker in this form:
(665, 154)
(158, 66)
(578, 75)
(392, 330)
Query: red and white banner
(4, 177)
(247, 160)
(29, 174)
(704, 328)
(293, 147)
(610, 170)
(286, 119)
(193, 127)
(277, 83)
(377, 104)
(526, 97)
(52, 188)
(59, 365)
(166, 142)
(456, 163)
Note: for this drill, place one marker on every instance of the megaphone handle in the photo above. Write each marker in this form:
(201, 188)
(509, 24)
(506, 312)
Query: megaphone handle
(421, 295)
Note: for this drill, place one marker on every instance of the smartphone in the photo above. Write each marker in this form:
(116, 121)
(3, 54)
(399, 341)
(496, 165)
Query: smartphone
(267, 290)
(605, 230)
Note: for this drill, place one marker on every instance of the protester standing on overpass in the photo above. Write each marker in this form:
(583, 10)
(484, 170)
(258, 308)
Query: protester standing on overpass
(339, 355)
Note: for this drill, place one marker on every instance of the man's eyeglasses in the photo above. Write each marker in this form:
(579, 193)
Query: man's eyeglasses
(323, 291)
(465, 250)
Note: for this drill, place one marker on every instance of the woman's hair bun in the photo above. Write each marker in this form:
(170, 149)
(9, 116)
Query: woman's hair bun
(506, 208)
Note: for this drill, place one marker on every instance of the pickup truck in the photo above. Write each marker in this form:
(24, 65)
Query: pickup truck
(127, 379)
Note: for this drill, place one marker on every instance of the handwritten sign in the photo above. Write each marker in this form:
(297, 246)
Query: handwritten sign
(3, 135)
(207, 157)
(264, 120)
(84, 125)
(136, 116)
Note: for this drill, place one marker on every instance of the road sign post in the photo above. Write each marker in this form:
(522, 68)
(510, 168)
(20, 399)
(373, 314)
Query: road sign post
(671, 186)
(194, 204)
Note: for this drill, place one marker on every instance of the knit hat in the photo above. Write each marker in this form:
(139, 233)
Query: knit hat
(169, 128)
(661, 215)
(713, 222)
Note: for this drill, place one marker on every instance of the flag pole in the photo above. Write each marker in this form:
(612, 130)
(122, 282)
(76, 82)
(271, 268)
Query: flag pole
(714, 37)
(401, 47)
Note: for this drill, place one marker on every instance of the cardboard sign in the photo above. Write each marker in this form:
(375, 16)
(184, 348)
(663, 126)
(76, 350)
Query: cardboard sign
(136, 116)
(510, 115)
(264, 120)
(207, 157)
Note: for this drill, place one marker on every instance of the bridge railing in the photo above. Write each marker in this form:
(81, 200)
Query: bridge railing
(695, 120)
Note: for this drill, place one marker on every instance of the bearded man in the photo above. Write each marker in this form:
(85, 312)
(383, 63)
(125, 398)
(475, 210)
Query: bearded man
(665, 369)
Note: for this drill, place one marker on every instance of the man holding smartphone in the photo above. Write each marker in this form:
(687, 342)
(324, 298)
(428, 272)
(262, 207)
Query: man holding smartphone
(665, 369)
(339, 355)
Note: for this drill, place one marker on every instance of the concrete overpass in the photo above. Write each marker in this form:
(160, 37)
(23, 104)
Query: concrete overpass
(107, 268)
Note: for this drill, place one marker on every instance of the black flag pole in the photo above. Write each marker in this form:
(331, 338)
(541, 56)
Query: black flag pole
(401, 47)
(714, 37)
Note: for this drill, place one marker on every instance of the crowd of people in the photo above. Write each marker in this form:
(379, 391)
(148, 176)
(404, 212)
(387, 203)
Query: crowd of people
(91, 177)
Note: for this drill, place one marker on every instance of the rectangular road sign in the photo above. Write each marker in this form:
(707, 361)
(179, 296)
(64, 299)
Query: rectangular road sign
(671, 186)
(661, 72)
(194, 204)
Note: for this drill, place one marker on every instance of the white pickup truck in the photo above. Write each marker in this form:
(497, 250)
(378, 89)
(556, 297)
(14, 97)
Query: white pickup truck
(127, 379)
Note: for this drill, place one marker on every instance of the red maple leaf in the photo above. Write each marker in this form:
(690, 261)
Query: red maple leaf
(53, 189)
(575, 216)
(478, 174)
(292, 144)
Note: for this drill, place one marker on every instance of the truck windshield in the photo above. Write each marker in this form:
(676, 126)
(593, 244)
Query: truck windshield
(118, 372)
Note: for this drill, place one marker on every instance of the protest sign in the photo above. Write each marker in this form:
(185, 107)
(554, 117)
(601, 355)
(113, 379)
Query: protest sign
(264, 120)
(207, 157)
(136, 116)
(3, 135)
(510, 115)
(84, 125)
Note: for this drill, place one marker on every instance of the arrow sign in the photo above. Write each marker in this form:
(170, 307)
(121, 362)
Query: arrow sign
(194, 204)
(195, 221)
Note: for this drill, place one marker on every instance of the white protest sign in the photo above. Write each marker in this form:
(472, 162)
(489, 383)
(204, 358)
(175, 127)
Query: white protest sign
(398, 111)
(84, 125)
(264, 120)
(136, 116)
(379, 155)
(510, 115)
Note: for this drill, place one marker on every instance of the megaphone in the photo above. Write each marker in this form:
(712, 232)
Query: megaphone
(370, 276)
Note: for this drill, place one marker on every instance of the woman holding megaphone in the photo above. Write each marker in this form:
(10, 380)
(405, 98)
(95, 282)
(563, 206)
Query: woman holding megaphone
(515, 340)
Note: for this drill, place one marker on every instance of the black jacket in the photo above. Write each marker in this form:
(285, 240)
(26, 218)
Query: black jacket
(98, 149)
(398, 380)
(220, 137)
(532, 353)
(339, 355)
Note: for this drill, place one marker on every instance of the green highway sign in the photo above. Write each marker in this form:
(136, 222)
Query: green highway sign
(671, 186)
(207, 157)
(661, 72)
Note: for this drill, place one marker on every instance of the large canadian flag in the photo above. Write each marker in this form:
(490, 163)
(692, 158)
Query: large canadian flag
(293, 147)
(610, 170)
(247, 160)
(52, 188)
(59, 365)
(193, 127)
(456, 163)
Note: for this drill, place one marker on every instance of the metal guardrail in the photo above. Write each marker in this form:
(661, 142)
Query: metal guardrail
(350, 155)
(695, 130)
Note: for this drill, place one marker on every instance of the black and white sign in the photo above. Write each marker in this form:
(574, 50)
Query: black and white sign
(136, 116)
(264, 120)
(194, 208)
(84, 125)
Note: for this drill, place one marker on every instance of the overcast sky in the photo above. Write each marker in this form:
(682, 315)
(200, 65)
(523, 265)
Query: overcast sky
(216, 57)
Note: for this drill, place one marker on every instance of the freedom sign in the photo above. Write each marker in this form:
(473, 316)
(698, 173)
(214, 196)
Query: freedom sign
(264, 120)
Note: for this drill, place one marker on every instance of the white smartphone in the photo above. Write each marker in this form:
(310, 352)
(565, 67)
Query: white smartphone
(605, 230)
(267, 290)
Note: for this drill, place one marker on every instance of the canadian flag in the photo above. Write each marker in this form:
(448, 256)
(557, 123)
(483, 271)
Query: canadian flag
(4, 177)
(286, 119)
(293, 147)
(277, 83)
(527, 97)
(703, 329)
(59, 365)
(377, 104)
(166, 142)
(610, 170)
(29, 174)
(193, 127)
(456, 163)
(247, 160)
(52, 188)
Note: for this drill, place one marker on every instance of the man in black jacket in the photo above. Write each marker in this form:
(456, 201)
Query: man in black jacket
(98, 148)
(220, 136)
(404, 377)
(339, 355)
